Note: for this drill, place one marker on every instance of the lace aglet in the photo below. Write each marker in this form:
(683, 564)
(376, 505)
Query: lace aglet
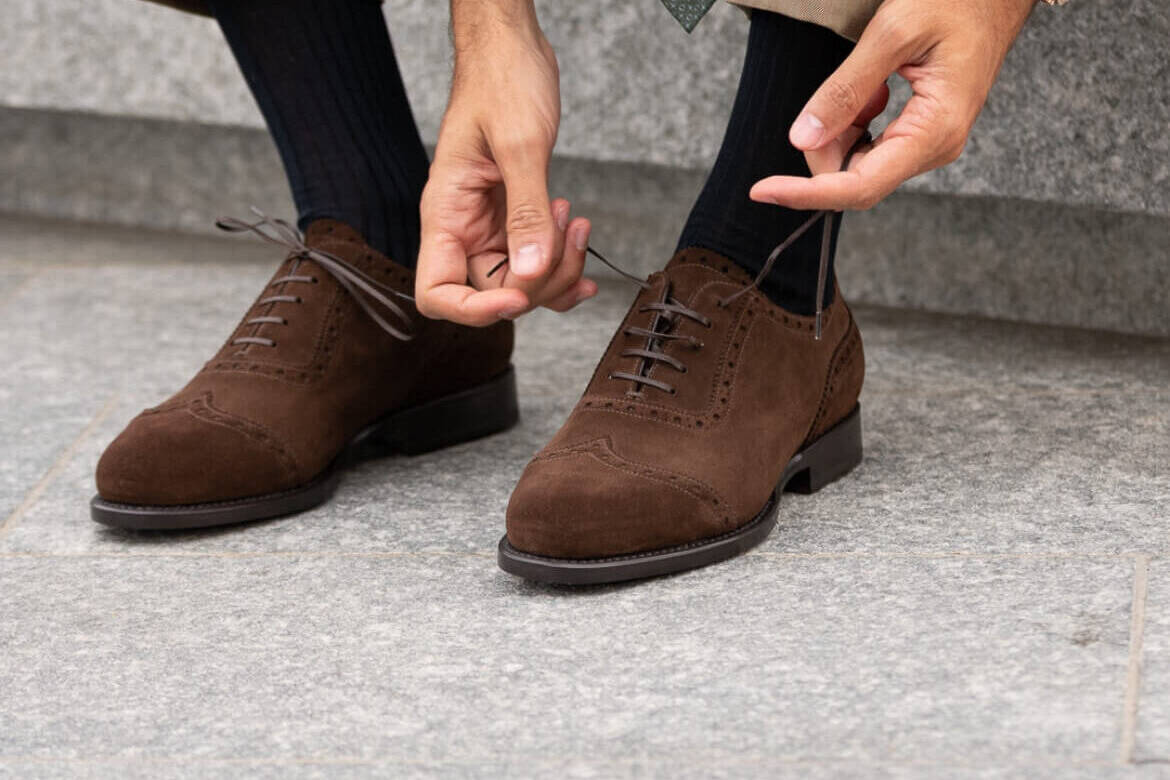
(818, 326)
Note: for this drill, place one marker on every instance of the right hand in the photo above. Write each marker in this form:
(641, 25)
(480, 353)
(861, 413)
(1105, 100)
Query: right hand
(487, 195)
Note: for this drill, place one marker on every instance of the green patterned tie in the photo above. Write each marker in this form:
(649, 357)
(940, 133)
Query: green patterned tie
(688, 12)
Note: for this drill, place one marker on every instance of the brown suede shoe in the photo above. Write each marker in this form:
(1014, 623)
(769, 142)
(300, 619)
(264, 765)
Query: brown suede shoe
(704, 408)
(309, 380)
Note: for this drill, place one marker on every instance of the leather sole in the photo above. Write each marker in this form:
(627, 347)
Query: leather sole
(832, 456)
(469, 414)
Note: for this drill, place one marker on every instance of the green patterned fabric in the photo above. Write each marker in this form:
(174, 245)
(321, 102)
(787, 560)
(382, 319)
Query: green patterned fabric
(688, 12)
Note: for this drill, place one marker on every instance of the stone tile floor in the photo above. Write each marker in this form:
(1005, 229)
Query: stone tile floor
(988, 596)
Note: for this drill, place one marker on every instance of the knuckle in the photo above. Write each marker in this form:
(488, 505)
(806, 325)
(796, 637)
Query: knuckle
(522, 144)
(843, 95)
(869, 198)
(525, 217)
(430, 306)
(956, 143)
(423, 304)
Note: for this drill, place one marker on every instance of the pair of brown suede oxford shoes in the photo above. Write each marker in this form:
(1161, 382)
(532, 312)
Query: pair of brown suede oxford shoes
(708, 403)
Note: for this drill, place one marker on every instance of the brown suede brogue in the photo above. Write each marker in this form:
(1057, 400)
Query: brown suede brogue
(331, 362)
(709, 402)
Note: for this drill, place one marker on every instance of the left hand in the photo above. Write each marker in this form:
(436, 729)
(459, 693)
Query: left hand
(950, 53)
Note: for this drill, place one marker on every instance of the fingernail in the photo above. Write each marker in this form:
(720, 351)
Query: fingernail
(563, 218)
(582, 239)
(527, 260)
(510, 314)
(806, 131)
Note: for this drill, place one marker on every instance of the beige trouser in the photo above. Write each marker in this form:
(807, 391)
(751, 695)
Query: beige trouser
(844, 17)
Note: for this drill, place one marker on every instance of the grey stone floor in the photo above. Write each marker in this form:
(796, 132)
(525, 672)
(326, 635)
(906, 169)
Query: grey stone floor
(988, 596)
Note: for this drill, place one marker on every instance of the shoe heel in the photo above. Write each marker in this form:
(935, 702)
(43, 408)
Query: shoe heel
(469, 414)
(832, 456)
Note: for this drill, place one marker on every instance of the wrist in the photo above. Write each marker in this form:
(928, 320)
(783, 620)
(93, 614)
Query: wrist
(478, 26)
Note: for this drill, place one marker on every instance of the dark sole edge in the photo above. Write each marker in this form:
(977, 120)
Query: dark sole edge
(453, 419)
(837, 452)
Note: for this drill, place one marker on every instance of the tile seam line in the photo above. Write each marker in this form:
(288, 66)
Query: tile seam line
(276, 554)
(59, 463)
(1133, 676)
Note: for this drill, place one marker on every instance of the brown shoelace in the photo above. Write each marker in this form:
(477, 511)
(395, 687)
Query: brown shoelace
(669, 311)
(369, 293)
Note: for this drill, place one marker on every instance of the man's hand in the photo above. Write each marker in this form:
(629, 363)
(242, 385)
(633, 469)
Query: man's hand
(950, 52)
(487, 195)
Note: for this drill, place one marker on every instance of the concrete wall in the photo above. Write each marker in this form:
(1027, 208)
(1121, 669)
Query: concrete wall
(1075, 135)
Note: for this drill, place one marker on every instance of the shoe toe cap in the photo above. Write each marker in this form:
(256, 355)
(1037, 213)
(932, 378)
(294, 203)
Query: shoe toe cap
(591, 504)
(175, 457)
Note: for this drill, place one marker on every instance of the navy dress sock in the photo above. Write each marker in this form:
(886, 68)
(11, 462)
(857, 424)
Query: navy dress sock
(786, 61)
(325, 77)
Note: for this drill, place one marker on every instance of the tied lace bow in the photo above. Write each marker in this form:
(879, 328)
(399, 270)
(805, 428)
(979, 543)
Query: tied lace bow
(369, 293)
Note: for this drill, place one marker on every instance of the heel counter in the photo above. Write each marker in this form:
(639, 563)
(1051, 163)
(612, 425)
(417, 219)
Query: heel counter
(842, 384)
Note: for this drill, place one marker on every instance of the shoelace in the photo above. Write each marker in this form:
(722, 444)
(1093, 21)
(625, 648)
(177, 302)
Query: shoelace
(669, 311)
(366, 291)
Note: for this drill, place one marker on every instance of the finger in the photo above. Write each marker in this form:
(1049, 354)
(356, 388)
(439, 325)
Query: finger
(530, 223)
(560, 214)
(440, 287)
(488, 270)
(875, 175)
(467, 306)
(583, 290)
(828, 158)
(847, 93)
(874, 107)
(493, 269)
(568, 271)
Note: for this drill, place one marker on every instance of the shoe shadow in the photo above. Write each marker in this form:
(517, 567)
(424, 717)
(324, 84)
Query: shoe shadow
(125, 536)
(528, 589)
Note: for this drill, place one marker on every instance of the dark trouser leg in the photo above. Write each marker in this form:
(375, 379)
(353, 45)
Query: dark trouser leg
(324, 75)
(786, 61)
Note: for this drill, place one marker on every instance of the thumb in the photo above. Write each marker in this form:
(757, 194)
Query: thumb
(530, 225)
(847, 93)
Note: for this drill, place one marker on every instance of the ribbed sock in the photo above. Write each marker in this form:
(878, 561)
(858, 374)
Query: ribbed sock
(325, 77)
(786, 61)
